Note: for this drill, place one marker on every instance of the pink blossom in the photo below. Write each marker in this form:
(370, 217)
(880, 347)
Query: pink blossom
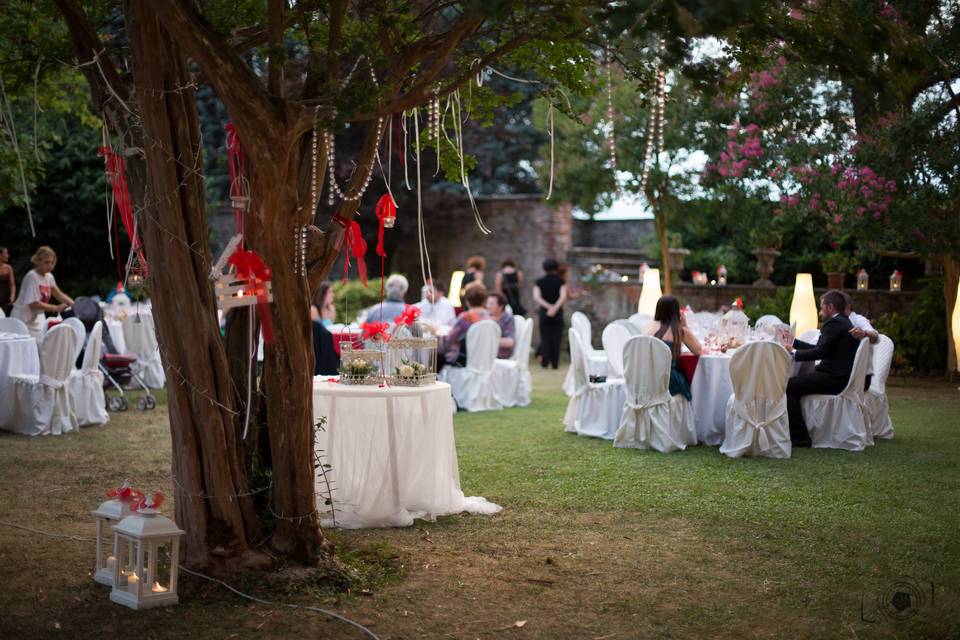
(838, 218)
(891, 186)
(831, 205)
(861, 211)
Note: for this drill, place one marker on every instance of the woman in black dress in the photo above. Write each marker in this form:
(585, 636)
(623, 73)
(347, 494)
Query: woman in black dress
(508, 282)
(474, 272)
(549, 294)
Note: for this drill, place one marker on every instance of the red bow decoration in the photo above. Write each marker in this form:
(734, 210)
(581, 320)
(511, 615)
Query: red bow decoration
(386, 208)
(355, 245)
(152, 502)
(254, 272)
(409, 315)
(117, 177)
(375, 331)
(125, 493)
(738, 303)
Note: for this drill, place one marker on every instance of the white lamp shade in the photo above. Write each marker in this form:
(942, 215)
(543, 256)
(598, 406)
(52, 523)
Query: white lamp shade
(803, 309)
(649, 293)
(456, 281)
(956, 325)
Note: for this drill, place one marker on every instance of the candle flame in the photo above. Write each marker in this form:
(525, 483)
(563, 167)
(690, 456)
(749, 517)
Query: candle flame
(158, 588)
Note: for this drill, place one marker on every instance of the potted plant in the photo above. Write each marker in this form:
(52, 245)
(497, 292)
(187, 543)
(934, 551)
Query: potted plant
(836, 265)
(767, 242)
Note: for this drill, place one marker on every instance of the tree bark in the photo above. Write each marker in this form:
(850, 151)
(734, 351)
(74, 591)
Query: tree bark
(208, 468)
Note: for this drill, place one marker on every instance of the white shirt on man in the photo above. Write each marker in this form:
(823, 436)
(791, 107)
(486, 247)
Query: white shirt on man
(860, 322)
(440, 313)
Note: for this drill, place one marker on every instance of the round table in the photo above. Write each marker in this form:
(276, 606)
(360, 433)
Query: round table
(18, 354)
(391, 453)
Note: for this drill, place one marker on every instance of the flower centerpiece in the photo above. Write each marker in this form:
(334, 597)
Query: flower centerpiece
(358, 366)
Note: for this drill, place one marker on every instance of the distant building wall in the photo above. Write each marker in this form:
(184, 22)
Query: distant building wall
(613, 234)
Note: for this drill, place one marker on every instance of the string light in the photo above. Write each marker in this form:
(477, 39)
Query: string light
(655, 121)
(611, 137)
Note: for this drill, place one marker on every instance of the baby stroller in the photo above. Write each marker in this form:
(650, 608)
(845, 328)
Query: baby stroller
(115, 366)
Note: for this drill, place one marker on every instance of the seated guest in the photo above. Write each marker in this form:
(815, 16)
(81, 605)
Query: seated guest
(323, 309)
(394, 305)
(497, 306)
(453, 347)
(325, 359)
(861, 325)
(835, 350)
(435, 309)
(671, 326)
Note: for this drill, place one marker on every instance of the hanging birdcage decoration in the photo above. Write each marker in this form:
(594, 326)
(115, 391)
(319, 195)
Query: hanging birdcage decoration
(360, 366)
(411, 359)
(136, 269)
(240, 194)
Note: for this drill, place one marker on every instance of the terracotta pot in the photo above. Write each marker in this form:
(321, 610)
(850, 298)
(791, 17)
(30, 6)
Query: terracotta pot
(834, 280)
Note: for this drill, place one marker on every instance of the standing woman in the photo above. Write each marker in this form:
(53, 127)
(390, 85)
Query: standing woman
(36, 290)
(8, 283)
(549, 294)
(474, 272)
(508, 282)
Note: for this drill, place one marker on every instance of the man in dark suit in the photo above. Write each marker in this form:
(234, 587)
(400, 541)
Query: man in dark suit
(835, 350)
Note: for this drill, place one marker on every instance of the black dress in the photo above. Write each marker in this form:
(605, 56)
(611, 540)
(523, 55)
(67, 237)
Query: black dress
(551, 329)
(510, 283)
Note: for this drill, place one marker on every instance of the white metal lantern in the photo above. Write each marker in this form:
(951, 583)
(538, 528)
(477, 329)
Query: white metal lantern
(896, 281)
(411, 359)
(863, 280)
(146, 548)
(108, 515)
(721, 276)
(734, 326)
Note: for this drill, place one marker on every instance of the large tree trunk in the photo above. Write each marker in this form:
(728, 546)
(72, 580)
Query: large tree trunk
(207, 465)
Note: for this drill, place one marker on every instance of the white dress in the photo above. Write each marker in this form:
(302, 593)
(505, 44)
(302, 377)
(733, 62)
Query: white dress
(33, 288)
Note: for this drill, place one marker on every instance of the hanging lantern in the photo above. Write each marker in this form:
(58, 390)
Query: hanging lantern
(896, 281)
(146, 548)
(108, 514)
(248, 283)
(863, 280)
(387, 211)
(721, 276)
(803, 308)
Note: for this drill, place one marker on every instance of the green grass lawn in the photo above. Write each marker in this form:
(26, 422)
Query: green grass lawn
(593, 542)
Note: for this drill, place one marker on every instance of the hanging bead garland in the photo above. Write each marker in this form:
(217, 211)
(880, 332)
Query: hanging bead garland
(611, 138)
(655, 122)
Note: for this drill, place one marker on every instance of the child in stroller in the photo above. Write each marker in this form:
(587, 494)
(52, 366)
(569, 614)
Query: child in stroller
(115, 366)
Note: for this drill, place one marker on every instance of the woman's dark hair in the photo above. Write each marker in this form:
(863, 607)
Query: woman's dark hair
(668, 315)
(501, 299)
(477, 262)
(550, 265)
(508, 263)
(322, 293)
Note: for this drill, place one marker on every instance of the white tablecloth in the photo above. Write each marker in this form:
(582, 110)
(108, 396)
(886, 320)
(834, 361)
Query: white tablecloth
(18, 354)
(711, 388)
(392, 455)
(115, 327)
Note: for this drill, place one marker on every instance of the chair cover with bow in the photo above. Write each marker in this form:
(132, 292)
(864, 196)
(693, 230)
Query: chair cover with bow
(651, 417)
(615, 336)
(511, 377)
(838, 422)
(14, 325)
(81, 331)
(42, 404)
(141, 337)
(597, 364)
(472, 386)
(876, 405)
(86, 383)
(756, 420)
(766, 321)
(594, 408)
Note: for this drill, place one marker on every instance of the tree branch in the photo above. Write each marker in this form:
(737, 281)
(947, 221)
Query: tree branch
(275, 34)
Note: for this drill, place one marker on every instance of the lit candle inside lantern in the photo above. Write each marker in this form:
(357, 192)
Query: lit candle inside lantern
(133, 583)
(111, 564)
(158, 588)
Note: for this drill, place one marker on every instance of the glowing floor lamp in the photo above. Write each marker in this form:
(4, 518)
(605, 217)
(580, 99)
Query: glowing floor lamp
(456, 281)
(956, 325)
(649, 293)
(803, 309)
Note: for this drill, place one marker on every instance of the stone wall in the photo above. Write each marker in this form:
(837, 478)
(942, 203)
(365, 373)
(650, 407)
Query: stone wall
(613, 234)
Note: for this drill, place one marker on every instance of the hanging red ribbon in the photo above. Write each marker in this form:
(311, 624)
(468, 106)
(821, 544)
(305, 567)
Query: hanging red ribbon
(409, 315)
(117, 177)
(355, 245)
(152, 502)
(255, 273)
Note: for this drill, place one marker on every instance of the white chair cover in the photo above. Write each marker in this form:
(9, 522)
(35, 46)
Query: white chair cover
(597, 363)
(629, 326)
(756, 420)
(79, 329)
(86, 383)
(838, 422)
(141, 338)
(2, 314)
(615, 336)
(766, 321)
(14, 325)
(651, 417)
(594, 408)
(42, 404)
(640, 320)
(472, 386)
(512, 382)
(876, 405)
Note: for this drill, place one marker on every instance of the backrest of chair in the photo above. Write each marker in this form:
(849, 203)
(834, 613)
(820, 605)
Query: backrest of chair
(581, 323)
(810, 336)
(91, 357)
(858, 374)
(14, 325)
(139, 334)
(483, 339)
(767, 320)
(58, 351)
(614, 337)
(522, 340)
(519, 323)
(578, 358)
(631, 328)
(640, 320)
(882, 359)
(2, 314)
(759, 371)
(646, 367)
(81, 331)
